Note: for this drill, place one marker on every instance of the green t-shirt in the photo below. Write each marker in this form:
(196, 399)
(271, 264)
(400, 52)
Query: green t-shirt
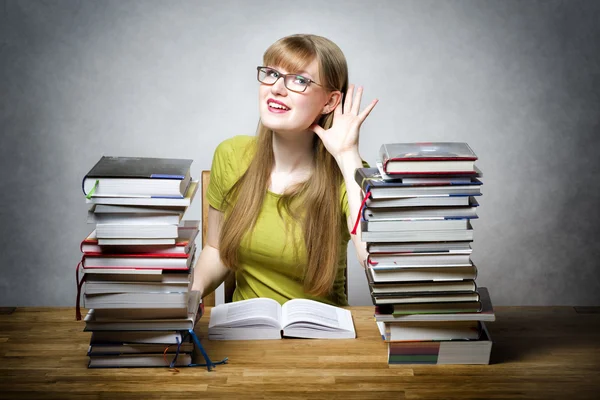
(268, 267)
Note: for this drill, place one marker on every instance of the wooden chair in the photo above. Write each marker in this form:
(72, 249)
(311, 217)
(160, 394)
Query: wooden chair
(209, 300)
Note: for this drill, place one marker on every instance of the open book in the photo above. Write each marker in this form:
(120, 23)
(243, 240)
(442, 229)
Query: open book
(262, 318)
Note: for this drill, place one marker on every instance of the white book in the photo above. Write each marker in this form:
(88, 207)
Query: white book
(422, 287)
(186, 234)
(119, 209)
(414, 225)
(439, 259)
(263, 319)
(136, 187)
(132, 287)
(146, 322)
(417, 191)
(148, 337)
(421, 273)
(124, 271)
(459, 235)
(137, 242)
(172, 278)
(429, 201)
(430, 247)
(137, 348)
(477, 351)
(147, 201)
(137, 300)
(138, 360)
(408, 214)
(138, 262)
(486, 313)
(431, 330)
(379, 299)
(133, 219)
(121, 231)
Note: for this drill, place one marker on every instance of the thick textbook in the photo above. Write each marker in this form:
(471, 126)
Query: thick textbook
(438, 235)
(370, 180)
(187, 231)
(137, 177)
(195, 312)
(421, 201)
(422, 287)
(407, 300)
(442, 352)
(415, 213)
(386, 274)
(149, 201)
(427, 158)
(485, 314)
(432, 330)
(136, 300)
(263, 318)
(440, 259)
(138, 360)
(139, 261)
(416, 224)
(137, 348)
(426, 247)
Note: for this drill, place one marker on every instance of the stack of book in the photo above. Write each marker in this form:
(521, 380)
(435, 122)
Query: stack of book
(137, 263)
(418, 205)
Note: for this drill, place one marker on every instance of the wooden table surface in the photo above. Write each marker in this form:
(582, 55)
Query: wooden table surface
(538, 352)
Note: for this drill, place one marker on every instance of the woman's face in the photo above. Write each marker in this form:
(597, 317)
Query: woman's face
(283, 110)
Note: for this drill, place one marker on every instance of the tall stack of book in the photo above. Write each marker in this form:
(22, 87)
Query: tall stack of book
(416, 222)
(137, 263)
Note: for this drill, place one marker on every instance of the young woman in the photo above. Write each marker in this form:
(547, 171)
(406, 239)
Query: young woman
(283, 202)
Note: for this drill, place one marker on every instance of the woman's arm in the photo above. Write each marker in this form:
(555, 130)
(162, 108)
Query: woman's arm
(210, 271)
(348, 163)
(341, 140)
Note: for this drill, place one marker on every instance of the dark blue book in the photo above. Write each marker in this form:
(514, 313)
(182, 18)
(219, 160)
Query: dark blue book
(138, 177)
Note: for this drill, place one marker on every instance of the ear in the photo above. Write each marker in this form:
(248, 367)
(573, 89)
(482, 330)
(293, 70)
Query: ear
(333, 100)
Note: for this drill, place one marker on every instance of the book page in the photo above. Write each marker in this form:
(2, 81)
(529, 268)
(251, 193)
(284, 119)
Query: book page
(251, 312)
(316, 313)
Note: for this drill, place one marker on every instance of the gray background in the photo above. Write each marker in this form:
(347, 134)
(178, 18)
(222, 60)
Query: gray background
(518, 80)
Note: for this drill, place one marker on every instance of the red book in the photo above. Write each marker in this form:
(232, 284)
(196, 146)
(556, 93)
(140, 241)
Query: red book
(436, 158)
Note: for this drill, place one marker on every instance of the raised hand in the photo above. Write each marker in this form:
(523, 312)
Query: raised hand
(342, 137)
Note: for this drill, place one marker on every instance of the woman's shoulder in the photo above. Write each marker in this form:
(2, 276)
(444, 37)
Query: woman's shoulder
(232, 157)
(236, 144)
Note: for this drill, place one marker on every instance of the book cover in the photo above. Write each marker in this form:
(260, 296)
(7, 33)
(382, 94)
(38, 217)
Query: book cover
(442, 352)
(485, 314)
(427, 158)
(426, 151)
(371, 178)
(140, 167)
(165, 201)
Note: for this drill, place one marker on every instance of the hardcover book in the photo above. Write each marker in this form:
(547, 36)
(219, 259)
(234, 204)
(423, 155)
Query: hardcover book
(370, 180)
(137, 176)
(404, 331)
(386, 274)
(442, 352)
(427, 158)
(163, 201)
(486, 313)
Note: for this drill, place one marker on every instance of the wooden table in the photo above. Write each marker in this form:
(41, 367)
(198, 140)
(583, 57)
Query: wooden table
(538, 352)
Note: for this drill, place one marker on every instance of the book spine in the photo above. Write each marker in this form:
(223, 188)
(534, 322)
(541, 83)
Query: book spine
(166, 176)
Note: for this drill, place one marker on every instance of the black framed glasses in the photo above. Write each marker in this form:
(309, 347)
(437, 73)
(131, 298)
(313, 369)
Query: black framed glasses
(294, 82)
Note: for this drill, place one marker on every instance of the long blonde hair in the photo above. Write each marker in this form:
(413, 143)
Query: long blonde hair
(321, 209)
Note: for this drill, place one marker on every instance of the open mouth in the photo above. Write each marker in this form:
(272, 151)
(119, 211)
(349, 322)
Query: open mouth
(277, 106)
